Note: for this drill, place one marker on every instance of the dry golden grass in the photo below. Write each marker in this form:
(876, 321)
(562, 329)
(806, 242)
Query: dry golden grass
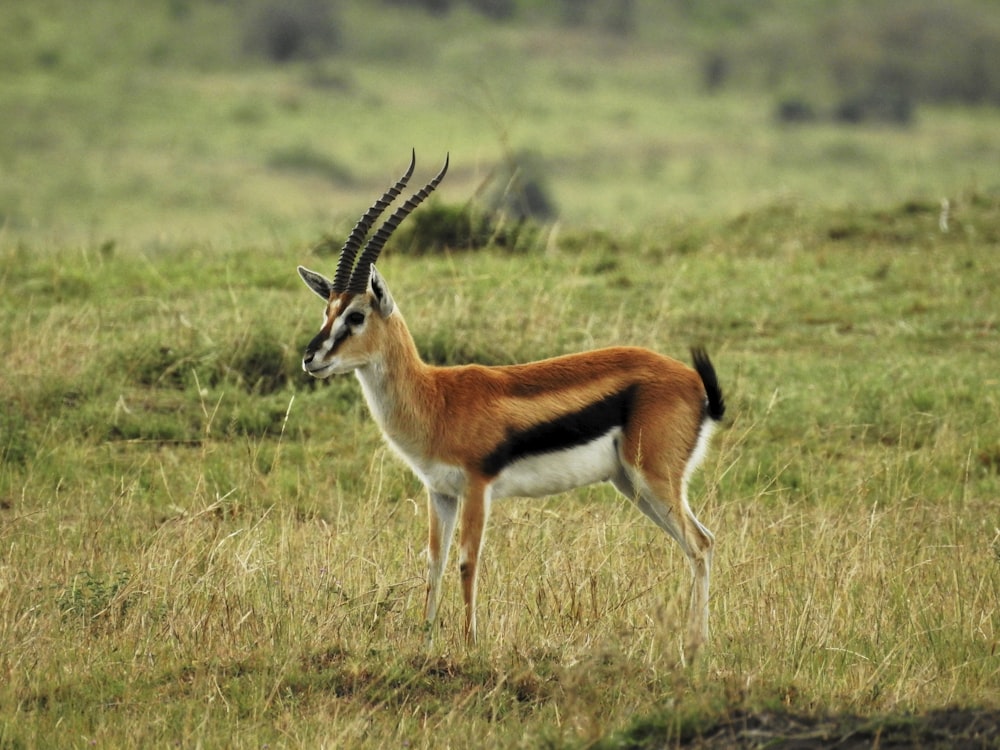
(200, 547)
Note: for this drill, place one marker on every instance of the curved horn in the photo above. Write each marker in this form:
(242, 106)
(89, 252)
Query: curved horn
(359, 279)
(350, 250)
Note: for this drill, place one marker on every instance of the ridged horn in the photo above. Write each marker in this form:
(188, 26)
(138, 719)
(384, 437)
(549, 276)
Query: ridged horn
(350, 250)
(359, 279)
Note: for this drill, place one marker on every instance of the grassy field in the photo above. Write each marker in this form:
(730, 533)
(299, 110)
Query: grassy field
(201, 547)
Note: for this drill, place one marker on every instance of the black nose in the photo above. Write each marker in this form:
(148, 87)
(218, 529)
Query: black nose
(313, 347)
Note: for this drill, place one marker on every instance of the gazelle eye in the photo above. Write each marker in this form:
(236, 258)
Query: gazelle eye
(355, 319)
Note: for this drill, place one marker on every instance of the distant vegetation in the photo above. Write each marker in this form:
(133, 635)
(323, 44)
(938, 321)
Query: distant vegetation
(265, 114)
(877, 62)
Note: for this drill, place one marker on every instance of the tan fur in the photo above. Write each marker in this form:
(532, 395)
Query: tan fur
(440, 417)
(490, 400)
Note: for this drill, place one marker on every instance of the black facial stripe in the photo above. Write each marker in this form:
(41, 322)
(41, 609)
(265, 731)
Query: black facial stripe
(566, 431)
(316, 343)
(319, 338)
(339, 338)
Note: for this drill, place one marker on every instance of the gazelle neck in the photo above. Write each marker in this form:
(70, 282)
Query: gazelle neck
(396, 385)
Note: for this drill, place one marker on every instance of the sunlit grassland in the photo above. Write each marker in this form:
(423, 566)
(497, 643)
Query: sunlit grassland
(200, 546)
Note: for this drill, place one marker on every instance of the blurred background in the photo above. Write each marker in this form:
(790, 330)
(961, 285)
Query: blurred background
(238, 121)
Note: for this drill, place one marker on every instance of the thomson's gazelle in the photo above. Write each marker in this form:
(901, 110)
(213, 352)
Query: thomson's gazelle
(474, 434)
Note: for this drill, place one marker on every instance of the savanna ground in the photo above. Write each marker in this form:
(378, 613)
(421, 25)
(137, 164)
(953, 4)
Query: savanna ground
(199, 546)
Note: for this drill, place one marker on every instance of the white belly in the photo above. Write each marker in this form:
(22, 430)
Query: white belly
(445, 479)
(532, 476)
(559, 471)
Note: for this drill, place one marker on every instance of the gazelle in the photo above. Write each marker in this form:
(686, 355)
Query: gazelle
(474, 434)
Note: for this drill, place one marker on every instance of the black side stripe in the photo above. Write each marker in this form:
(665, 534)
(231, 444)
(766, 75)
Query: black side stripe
(566, 431)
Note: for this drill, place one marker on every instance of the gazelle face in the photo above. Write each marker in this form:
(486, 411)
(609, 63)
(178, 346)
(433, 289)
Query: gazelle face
(358, 302)
(351, 326)
(331, 352)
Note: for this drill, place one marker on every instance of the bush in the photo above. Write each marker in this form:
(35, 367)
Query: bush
(440, 227)
(260, 363)
(296, 29)
(16, 445)
(617, 17)
(520, 190)
(875, 64)
(891, 107)
(304, 158)
(715, 71)
(434, 7)
(933, 52)
(498, 10)
(795, 110)
(257, 363)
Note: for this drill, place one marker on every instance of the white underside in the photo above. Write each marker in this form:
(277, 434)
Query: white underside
(536, 475)
(533, 476)
(550, 473)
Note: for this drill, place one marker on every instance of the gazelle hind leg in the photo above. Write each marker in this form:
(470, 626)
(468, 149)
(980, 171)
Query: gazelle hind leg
(665, 503)
(699, 549)
(652, 511)
(443, 511)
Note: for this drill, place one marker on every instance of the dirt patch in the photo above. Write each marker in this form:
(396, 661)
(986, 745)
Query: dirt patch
(945, 728)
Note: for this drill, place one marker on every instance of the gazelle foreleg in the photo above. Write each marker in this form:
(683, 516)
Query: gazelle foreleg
(442, 512)
(475, 512)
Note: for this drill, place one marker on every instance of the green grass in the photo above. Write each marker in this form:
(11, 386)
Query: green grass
(200, 546)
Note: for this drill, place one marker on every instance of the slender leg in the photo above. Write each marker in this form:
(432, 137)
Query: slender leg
(442, 510)
(700, 542)
(655, 511)
(475, 511)
(668, 508)
(696, 541)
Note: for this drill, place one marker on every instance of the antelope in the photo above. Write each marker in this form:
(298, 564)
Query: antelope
(474, 434)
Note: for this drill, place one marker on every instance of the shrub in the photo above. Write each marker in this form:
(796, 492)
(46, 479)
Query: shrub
(877, 63)
(715, 70)
(16, 445)
(498, 10)
(445, 227)
(520, 189)
(434, 7)
(160, 366)
(891, 107)
(260, 363)
(618, 17)
(794, 110)
(96, 600)
(295, 29)
(304, 158)
(938, 52)
(440, 227)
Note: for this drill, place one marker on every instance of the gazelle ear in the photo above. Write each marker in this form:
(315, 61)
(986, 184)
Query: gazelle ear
(379, 290)
(317, 282)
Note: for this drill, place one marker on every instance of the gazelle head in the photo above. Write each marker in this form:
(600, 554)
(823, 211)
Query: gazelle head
(358, 302)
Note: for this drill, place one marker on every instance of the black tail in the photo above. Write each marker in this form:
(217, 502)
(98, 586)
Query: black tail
(715, 405)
